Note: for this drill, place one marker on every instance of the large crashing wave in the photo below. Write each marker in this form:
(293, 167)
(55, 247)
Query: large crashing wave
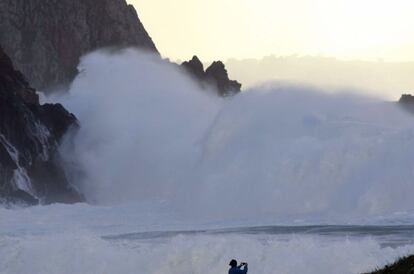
(150, 134)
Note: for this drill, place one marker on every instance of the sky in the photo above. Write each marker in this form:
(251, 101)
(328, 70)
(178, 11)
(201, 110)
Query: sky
(223, 29)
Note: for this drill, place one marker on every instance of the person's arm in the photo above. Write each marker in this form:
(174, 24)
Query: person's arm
(242, 271)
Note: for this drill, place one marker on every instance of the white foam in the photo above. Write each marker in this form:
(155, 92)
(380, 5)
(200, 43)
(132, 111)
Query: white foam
(69, 239)
(85, 253)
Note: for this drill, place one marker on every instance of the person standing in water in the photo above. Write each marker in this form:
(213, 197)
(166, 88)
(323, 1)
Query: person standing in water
(234, 269)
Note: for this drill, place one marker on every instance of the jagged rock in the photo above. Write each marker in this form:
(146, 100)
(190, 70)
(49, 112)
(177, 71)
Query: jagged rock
(45, 38)
(29, 136)
(195, 68)
(21, 197)
(215, 75)
(407, 102)
(56, 118)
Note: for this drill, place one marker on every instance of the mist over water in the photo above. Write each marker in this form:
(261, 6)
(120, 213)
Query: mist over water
(149, 134)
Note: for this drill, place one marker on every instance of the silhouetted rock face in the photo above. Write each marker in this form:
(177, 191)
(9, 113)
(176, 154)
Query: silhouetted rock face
(29, 136)
(402, 266)
(215, 75)
(45, 38)
(407, 101)
(195, 67)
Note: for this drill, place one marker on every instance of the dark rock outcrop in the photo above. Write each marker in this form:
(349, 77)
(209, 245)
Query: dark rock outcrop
(195, 68)
(402, 266)
(407, 99)
(46, 38)
(29, 137)
(215, 75)
(407, 102)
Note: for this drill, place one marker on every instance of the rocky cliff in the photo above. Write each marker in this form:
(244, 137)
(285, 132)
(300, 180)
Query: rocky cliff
(45, 38)
(29, 137)
(215, 75)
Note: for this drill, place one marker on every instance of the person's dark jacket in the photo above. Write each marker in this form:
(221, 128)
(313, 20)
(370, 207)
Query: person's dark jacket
(238, 270)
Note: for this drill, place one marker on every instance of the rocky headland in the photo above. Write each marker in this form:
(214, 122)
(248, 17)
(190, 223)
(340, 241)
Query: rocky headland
(30, 170)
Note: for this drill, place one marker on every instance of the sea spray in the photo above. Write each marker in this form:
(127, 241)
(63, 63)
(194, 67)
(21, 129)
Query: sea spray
(149, 134)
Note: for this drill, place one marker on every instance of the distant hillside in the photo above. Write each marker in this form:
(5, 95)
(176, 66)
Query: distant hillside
(390, 79)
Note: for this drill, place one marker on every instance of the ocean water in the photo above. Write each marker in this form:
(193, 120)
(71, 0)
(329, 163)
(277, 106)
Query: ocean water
(291, 179)
(124, 239)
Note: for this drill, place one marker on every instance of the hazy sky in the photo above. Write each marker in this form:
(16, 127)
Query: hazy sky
(221, 29)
